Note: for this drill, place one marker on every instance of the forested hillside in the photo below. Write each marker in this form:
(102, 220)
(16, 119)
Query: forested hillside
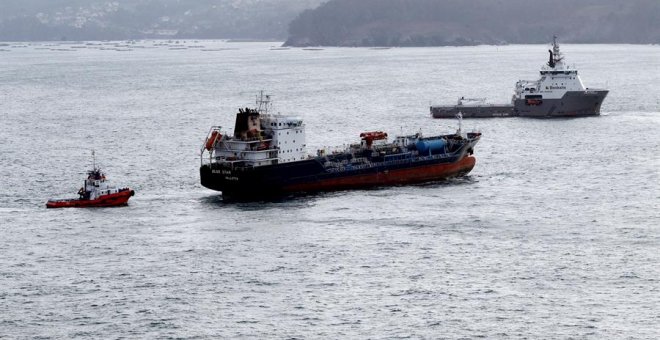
(471, 22)
(134, 19)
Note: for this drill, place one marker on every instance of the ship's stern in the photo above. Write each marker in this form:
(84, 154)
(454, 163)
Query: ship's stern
(220, 177)
(209, 179)
(237, 183)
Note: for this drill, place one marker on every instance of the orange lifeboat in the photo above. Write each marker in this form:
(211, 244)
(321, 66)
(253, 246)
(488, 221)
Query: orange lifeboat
(215, 135)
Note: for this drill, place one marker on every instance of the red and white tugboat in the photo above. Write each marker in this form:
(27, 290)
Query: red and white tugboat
(95, 193)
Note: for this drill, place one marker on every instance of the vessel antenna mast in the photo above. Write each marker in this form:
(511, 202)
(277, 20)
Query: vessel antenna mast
(459, 116)
(263, 103)
(555, 50)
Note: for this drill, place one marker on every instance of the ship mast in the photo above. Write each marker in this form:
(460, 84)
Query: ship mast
(555, 54)
(263, 103)
(459, 116)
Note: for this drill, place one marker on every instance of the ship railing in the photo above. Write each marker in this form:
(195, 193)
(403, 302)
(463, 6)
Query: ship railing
(469, 101)
(211, 159)
(243, 165)
(271, 156)
(257, 151)
(390, 162)
(242, 153)
(251, 140)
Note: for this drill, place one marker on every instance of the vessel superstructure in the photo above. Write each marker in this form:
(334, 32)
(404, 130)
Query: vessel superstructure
(559, 92)
(266, 156)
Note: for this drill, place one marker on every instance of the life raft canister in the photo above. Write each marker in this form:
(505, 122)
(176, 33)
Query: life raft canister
(215, 135)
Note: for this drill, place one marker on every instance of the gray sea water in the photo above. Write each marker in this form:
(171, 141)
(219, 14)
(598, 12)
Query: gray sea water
(554, 234)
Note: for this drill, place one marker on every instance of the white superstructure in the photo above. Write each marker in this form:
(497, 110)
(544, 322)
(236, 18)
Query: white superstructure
(288, 135)
(259, 138)
(96, 185)
(557, 78)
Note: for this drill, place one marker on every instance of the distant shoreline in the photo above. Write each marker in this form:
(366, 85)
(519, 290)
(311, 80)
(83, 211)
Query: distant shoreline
(281, 43)
(419, 23)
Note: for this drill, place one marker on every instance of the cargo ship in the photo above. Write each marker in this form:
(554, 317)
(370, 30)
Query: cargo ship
(559, 92)
(265, 156)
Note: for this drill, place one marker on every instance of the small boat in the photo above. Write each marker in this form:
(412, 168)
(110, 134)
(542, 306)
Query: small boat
(95, 193)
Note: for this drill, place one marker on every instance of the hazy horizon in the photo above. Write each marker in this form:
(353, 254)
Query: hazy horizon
(335, 22)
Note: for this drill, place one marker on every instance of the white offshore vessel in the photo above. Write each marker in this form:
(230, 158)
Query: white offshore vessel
(559, 92)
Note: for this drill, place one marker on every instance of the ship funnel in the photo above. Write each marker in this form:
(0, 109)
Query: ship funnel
(247, 124)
